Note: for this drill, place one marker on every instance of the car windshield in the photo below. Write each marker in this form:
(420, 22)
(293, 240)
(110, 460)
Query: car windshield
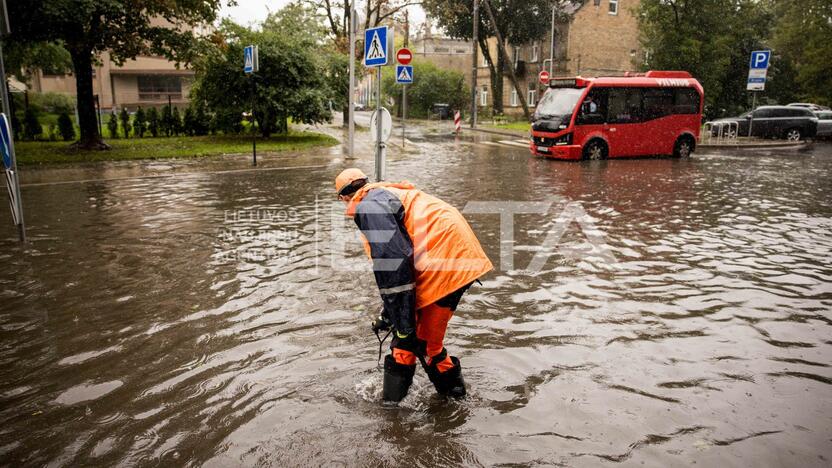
(558, 102)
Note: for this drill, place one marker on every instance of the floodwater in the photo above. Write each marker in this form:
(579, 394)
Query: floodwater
(221, 318)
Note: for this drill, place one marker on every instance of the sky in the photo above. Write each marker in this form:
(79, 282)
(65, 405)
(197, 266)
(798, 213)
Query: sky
(247, 12)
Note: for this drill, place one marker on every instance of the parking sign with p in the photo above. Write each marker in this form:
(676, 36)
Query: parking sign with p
(759, 59)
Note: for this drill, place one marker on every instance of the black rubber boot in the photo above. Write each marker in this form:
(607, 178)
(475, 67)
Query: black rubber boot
(449, 383)
(397, 380)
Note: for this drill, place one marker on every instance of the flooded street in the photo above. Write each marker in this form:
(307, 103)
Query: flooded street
(210, 318)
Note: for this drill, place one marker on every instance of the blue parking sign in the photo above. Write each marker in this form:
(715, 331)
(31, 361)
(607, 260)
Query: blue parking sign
(759, 59)
(375, 47)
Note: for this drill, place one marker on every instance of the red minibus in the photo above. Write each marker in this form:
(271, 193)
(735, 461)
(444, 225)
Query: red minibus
(654, 113)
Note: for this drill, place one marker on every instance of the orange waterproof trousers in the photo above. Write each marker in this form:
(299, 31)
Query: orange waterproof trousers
(431, 323)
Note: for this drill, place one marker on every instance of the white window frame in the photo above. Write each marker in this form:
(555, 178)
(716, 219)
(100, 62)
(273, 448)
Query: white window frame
(484, 96)
(516, 55)
(614, 2)
(513, 101)
(532, 97)
(535, 53)
(484, 60)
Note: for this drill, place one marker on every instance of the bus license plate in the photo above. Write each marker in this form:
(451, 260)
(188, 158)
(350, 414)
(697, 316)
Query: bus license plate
(543, 149)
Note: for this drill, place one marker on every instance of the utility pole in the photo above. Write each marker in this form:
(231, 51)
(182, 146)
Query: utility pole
(351, 93)
(404, 86)
(474, 45)
(506, 59)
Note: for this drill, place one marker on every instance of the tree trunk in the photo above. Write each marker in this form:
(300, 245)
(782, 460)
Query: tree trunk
(497, 82)
(87, 121)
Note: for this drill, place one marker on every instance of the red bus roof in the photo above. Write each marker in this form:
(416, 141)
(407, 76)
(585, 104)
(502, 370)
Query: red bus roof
(671, 79)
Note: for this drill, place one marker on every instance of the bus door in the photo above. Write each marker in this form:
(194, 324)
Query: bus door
(592, 115)
(624, 116)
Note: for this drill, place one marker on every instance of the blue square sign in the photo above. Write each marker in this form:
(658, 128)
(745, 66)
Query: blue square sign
(404, 74)
(375, 47)
(759, 59)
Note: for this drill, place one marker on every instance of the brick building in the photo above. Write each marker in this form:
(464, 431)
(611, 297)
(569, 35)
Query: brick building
(601, 38)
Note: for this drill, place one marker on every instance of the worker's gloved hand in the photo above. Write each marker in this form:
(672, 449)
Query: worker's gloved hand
(380, 324)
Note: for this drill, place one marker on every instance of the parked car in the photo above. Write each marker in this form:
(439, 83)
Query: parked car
(359, 107)
(808, 105)
(824, 124)
(787, 122)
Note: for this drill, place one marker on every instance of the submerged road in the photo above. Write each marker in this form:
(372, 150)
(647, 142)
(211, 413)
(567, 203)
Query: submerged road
(653, 311)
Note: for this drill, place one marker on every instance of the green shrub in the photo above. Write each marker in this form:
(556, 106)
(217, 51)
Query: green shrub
(112, 125)
(125, 122)
(139, 123)
(153, 121)
(52, 102)
(66, 127)
(167, 121)
(31, 124)
(175, 122)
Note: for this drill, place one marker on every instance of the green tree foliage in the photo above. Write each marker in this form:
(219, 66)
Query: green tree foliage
(712, 39)
(802, 38)
(125, 28)
(153, 121)
(125, 122)
(112, 125)
(65, 127)
(291, 82)
(31, 124)
(519, 22)
(433, 85)
(201, 119)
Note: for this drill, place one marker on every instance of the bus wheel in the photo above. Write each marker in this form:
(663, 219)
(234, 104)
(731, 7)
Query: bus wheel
(595, 150)
(684, 147)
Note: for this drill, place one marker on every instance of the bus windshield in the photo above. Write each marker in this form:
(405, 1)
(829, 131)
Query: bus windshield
(557, 102)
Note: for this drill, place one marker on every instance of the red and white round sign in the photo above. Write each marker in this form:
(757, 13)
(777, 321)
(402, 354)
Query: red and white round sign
(403, 56)
(543, 77)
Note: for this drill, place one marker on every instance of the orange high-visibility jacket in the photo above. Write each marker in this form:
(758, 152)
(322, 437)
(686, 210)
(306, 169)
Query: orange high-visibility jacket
(422, 248)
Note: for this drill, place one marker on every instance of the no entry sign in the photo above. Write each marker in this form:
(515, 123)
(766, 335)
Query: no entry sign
(403, 56)
(543, 77)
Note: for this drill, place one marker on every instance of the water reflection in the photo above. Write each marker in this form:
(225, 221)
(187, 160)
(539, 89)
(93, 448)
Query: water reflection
(192, 320)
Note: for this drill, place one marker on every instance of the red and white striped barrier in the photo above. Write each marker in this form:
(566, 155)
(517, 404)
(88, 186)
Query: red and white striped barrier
(457, 122)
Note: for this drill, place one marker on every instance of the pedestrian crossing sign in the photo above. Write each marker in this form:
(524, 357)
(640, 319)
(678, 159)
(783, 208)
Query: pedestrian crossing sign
(404, 74)
(375, 47)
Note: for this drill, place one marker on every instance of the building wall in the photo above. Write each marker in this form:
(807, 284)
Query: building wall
(445, 53)
(601, 43)
(593, 43)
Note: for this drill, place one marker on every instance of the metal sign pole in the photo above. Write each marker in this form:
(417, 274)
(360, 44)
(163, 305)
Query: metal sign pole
(253, 130)
(21, 226)
(351, 97)
(753, 105)
(474, 43)
(379, 144)
(404, 110)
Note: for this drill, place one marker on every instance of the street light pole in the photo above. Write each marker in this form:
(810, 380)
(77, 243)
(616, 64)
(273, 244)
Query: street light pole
(474, 43)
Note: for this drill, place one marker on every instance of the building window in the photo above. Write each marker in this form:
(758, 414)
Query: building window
(532, 95)
(159, 87)
(441, 50)
(484, 96)
(484, 60)
(516, 55)
(613, 7)
(513, 97)
(461, 51)
(535, 52)
(597, 2)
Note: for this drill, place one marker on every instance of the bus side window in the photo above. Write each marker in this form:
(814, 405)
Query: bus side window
(685, 101)
(658, 102)
(625, 105)
(593, 109)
